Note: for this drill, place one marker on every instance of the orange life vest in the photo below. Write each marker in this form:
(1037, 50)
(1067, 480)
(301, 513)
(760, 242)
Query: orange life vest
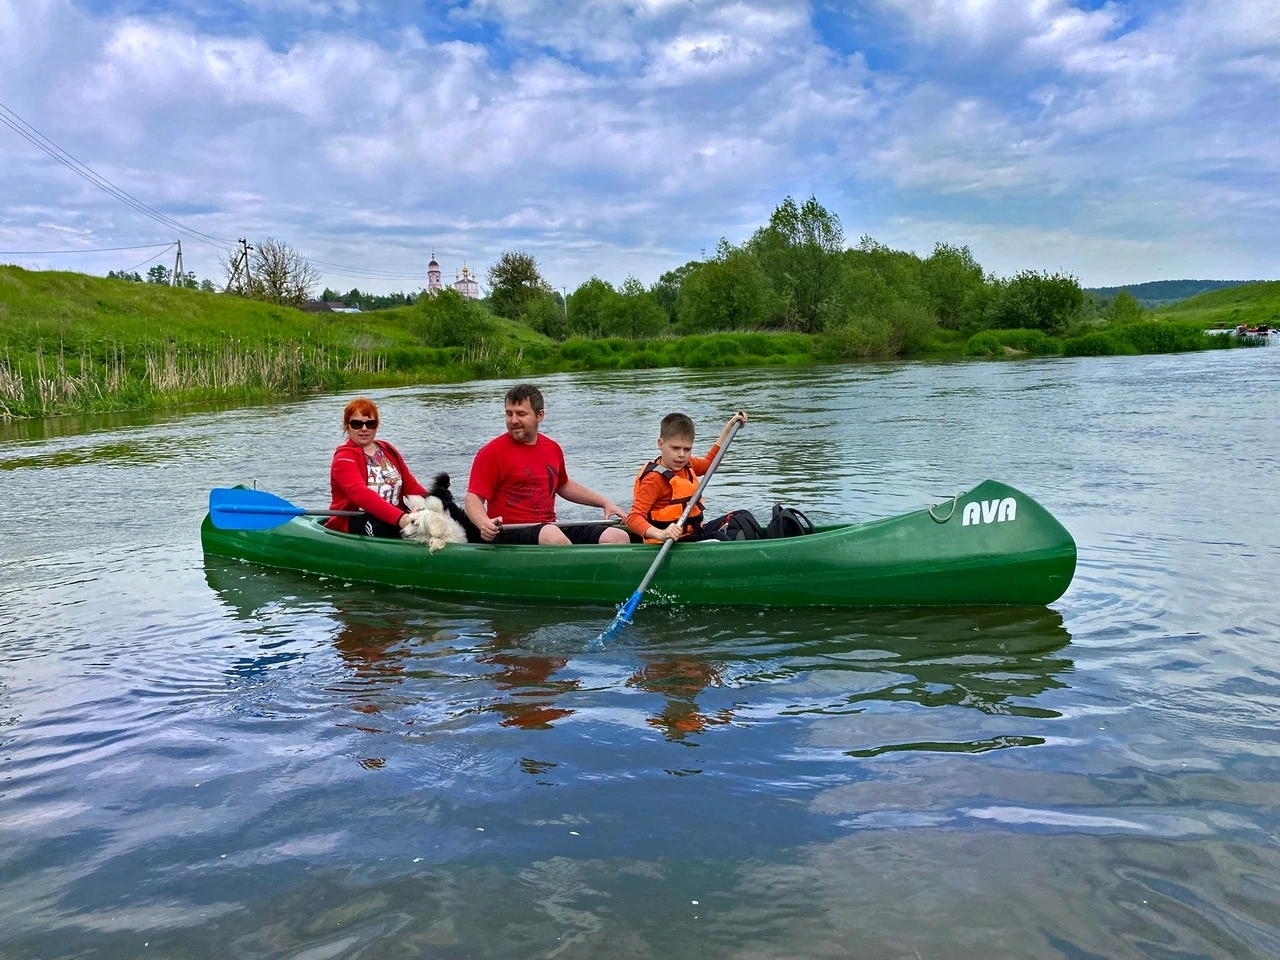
(683, 484)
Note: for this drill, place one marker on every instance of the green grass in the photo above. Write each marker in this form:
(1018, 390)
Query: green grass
(74, 343)
(1251, 304)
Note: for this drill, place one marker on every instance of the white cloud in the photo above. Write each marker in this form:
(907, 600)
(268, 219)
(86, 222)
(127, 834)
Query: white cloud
(620, 137)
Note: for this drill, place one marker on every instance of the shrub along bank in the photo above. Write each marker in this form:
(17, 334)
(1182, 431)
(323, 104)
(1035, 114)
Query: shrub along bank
(73, 343)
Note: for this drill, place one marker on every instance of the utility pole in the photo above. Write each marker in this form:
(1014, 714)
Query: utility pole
(564, 297)
(241, 262)
(248, 277)
(176, 279)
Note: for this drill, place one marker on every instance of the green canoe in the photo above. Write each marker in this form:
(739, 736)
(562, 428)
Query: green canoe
(993, 545)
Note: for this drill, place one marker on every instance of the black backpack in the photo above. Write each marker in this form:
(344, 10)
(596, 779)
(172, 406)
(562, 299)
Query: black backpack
(787, 522)
(738, 525)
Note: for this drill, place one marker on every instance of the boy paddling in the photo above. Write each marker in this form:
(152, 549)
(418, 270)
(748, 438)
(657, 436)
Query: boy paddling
(516, 477)
(666, 484)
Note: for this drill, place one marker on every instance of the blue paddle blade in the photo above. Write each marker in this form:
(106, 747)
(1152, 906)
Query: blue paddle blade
(625, 613)
(237, 509)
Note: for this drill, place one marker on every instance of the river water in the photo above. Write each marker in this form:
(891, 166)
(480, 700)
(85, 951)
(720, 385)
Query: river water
(203, 759)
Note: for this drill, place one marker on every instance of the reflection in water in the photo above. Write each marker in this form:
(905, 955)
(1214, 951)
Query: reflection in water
(679, 680)
(696, 671)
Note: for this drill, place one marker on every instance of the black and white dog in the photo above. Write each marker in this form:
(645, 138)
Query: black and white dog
(437, 519)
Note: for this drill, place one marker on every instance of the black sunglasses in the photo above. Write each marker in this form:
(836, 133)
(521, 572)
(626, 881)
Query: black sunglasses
(361, 424)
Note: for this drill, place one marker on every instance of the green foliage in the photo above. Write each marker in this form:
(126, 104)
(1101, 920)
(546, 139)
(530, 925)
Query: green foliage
(134, 277)
(514, 282)
(728, 292)
(449, 319)
(666, 292)
(995, 343)
(368, 302)
(1134, 338)
(632, 312)
(1036, 301)
(545, 314)
(799, 252)
(1125, 309)
(587, 306)
(955, 285)
(160, 275)
(898, 328)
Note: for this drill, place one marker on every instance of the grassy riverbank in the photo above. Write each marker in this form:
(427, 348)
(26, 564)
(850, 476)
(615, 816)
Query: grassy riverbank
(73, 343)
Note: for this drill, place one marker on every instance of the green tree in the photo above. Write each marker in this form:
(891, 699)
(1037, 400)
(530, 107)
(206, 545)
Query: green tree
(545, 314)
(449, 319)
(728, 292)
(633, 312)
(799, 251)
(206, 285)
(588, 306)
(1125, 308)
(515, 281)
(160, 274)
(953, 279)
(666, 292)
(1036, 301)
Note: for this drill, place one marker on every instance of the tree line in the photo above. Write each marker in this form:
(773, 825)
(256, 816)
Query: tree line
(796, 273)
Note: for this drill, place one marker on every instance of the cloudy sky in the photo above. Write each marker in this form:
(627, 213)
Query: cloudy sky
(1118, 141)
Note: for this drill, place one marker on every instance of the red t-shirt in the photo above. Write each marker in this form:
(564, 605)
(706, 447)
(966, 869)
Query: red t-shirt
(519, 481)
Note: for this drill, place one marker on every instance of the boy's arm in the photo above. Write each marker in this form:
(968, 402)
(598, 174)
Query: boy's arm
(700, 465)
(646, 493)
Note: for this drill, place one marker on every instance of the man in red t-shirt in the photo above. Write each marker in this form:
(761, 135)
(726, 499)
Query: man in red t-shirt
(515, 478)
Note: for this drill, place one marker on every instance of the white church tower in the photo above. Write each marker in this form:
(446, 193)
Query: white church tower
(433, 276)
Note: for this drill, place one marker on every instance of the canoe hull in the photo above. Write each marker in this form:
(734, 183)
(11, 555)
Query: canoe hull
(997, 546)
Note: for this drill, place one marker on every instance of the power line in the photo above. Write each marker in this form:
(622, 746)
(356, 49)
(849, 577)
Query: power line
(39, 140)
(337, 270)
(149, 259)
(44, 253)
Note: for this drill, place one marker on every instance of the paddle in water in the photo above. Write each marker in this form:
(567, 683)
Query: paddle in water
(628, 609)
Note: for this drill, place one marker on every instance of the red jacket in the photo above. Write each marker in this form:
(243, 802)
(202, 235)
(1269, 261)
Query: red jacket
(349, 480)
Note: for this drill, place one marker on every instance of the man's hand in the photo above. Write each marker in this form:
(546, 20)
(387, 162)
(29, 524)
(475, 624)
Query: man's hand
(611, 509)
(489, 528)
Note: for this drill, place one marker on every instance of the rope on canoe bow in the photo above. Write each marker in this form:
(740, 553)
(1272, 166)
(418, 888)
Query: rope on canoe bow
(938, 519)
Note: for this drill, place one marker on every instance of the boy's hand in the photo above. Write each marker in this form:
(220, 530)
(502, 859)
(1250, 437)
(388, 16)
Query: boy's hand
(669, 532)
(739, 418)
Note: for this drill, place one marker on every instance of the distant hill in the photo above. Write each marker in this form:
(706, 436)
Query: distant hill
(1160, 293)
(1251, 304)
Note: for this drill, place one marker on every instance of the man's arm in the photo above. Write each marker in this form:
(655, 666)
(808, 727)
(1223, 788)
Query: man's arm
(575, 492)
(475, 511)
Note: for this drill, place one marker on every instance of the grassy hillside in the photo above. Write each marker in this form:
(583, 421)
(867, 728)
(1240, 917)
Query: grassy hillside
(1159, 293)
(77, 309)
(1253, 304)
(73, 343)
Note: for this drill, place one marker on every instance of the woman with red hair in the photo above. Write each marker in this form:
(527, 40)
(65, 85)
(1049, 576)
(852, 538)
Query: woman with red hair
(369, 475)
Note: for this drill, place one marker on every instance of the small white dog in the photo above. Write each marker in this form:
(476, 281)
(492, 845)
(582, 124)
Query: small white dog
(430, 524)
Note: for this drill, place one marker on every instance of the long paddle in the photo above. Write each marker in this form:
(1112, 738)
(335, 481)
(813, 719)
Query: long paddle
(237, 509)
(628, 609)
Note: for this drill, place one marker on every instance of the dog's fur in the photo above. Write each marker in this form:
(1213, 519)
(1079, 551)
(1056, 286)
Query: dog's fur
(432, 525)
(437, 519)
